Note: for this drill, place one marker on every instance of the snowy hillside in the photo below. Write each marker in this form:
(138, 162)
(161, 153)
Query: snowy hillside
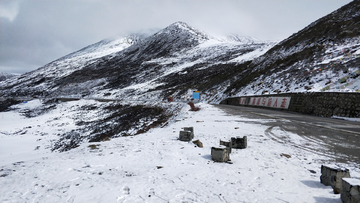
(43, 78)
(163, 64)
(155, 166)
(324, 56)
(5, 76)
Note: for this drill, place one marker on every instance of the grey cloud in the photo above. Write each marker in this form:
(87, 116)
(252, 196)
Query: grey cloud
(44, 30)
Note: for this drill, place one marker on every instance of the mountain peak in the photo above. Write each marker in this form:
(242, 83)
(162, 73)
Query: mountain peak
(180, 25)
(184, 30)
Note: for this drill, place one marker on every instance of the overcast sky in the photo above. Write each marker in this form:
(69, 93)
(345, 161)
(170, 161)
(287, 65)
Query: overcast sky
(36, 32)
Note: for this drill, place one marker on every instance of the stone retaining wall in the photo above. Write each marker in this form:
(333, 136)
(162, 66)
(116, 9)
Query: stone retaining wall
(325, 104)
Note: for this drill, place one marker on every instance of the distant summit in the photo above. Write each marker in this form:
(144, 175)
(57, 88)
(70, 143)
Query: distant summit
(5, 76)
(243, 39)
(175, 38)
(184, 30)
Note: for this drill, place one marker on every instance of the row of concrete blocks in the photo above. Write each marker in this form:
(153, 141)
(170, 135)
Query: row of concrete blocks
(222, 153)
(341, 182)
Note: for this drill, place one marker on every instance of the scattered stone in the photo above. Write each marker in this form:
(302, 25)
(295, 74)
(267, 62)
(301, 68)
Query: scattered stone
(198, 143)
(239, 143)
(193, 107)
(286, 155)
(159, 167)
(220, 154)
(94, 146)
(107, 138)
(350, 192)
(333, 177)
(151, 192)
(126, 190)
(312, 171)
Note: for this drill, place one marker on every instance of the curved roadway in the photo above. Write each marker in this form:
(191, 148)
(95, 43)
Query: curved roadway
(334, 138)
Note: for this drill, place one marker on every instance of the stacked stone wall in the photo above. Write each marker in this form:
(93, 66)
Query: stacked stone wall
(325, 104)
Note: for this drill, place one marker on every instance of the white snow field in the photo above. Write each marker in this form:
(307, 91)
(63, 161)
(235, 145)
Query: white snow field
(155, 166)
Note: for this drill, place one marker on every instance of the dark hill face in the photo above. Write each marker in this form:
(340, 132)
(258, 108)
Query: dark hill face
(306, 55)
(175, 38)
(122, 70)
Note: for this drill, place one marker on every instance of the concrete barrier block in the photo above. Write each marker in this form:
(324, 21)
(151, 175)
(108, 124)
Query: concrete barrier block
(226, 144)
(191, 129)
(332, 176)
(350, 192)
(186, 136)
(239, 143)
(220, 154)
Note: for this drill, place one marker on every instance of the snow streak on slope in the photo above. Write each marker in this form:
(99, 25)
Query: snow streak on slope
(202, 56)
(334, 69)
(155, 166)
(44, 77)
(324, 56)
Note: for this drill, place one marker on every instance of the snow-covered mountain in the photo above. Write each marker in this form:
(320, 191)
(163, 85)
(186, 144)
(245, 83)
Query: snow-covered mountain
(5, 76)
(38, 81)
(324, 56)
(173, 61)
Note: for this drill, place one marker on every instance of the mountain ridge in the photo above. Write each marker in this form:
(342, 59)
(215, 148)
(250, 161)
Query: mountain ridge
(173, 51)
(179, 59)
(305, 55)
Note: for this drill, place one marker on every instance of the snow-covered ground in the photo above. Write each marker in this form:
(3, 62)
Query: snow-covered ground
(155, 166)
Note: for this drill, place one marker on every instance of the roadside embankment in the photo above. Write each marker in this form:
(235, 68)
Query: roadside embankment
(325, 104)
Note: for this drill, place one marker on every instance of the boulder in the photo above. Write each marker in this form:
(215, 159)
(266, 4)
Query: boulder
(198, 143)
